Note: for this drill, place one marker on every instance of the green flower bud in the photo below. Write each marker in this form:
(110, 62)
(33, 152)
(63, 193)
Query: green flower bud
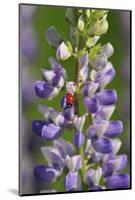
(87, 13)
(98, 27)
(81, 23)
(91, 41)
(98, 14)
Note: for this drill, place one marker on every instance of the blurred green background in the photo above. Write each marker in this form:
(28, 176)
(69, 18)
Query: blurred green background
(41, 19)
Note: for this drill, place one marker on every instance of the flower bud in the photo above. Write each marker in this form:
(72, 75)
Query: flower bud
(64, 51)
(53, 37)
(98, 27)
(81, 23)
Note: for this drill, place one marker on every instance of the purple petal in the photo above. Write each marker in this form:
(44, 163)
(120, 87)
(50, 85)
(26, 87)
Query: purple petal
(107, 97)
(91, 104)
(57, 67)
(114, 128)
(44, 90)
(104, 113)
(83, 60)
(45, 173)
(72, 182)
(117, 163)
(37, 126)
(97, 187)
(65, 148)
(74, 163)
(78, 139)
(97, 130)
(102, 144)
(51, 131)
(84, 71)
(116, 144)
(53, 157)
(89, 88)
(89, 177)
(69, 113)
(48, 74)
(99, 62)
(53, 37)
(107, 49)
(58, 81)
(104, 76)
(63, 52)
(93, 176)
(119, 180)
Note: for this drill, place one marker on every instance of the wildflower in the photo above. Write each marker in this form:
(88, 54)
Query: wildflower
(93, 154)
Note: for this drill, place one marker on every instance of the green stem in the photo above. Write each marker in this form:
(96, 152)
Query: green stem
(80, 151)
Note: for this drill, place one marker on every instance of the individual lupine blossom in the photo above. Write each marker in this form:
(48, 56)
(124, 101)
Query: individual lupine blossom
(91, 161)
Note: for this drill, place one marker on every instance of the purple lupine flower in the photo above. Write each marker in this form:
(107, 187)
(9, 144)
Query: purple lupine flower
(93, 178)
(51, 131)
(54, 81)
(89, 88)
(104, 76)
(63, 52)
(45, 173)
(99, 62)
(78, 139)
(118, 180)
(72, 182)
(114, 128)
(93, 156)
(45, 90)
(91, 104)
(37, 126)
(107, 49)
(84, 69)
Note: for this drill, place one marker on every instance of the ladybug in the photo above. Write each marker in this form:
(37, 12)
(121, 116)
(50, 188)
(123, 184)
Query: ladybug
(68, 99)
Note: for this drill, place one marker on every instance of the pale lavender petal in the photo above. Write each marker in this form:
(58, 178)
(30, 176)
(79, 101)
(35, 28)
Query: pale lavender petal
(89, 88)
(48, 74)
(53, 157)
(51, 131)
(107, 49)
(114, 164)
(83, 60)
(74, 163)
(104, 113)
(99, 62)
(104, 76)
(63, 52)
(84, 72)
(72, 182)
(65, 148)
(97, 130)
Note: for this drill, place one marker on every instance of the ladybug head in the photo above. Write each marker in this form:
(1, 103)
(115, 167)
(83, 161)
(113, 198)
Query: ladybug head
(70, 87)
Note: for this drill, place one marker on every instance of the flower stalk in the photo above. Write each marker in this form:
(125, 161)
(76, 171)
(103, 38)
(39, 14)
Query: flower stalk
(92, 156)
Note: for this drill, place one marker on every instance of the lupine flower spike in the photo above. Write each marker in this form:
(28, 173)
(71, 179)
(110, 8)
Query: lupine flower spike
(91, 161)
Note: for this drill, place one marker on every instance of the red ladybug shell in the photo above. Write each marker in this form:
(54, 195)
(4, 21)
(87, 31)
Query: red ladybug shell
(69, 98)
